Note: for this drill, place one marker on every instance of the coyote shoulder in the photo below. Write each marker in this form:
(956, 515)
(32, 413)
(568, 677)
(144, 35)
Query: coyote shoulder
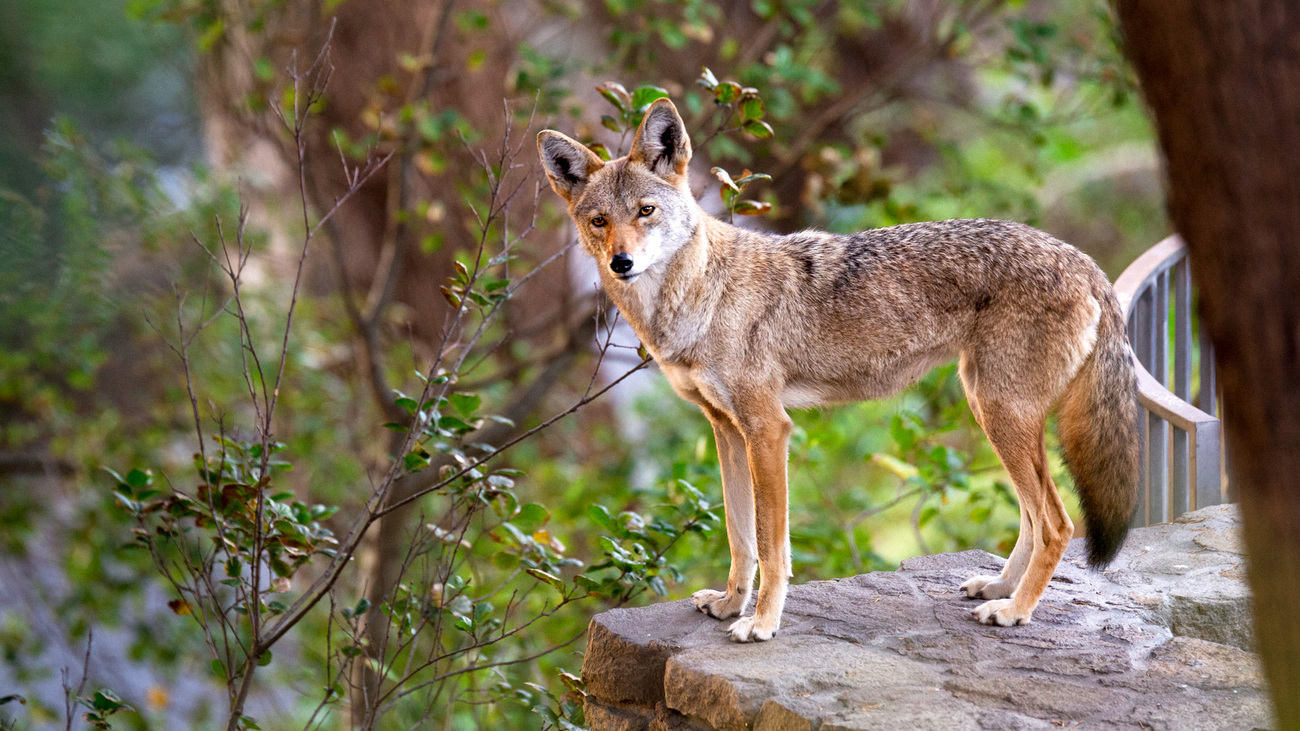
(745, 324)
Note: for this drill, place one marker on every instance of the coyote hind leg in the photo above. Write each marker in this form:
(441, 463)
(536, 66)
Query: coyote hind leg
(1018, 440)
(1004, 584)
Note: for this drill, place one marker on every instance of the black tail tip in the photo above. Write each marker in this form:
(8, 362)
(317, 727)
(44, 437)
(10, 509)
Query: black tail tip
(1105, 543)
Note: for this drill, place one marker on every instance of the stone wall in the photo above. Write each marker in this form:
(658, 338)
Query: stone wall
(1160, 640)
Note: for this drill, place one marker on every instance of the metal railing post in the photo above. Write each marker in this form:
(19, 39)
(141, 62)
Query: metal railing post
(1181, 445)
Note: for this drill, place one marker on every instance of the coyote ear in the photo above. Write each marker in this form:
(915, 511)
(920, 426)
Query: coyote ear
(568, 163)
(661, 142)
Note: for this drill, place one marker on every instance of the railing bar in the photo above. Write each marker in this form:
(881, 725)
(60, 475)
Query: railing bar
(1182, 330)
(1143, 336)
(1160, 351)
(1206, 465)
(1227, 488)
(1157, 484)
(1140, 514)
(1209, 385)
(1183, 498)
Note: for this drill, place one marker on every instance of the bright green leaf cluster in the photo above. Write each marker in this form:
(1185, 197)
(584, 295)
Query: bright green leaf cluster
(636, 549)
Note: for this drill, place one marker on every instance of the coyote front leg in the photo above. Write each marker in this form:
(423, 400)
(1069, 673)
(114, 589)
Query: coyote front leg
(766, 430)
(738, 501)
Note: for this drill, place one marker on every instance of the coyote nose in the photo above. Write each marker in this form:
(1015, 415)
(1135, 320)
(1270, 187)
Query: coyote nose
(621, 263)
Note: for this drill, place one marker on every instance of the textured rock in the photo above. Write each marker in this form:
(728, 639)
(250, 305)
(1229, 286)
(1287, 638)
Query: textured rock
(1159, 640)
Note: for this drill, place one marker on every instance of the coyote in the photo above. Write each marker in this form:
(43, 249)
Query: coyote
(746, 324)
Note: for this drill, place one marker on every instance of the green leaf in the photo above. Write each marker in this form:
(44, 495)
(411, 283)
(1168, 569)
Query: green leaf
(927, 515)
(531, 517)
(728, 195)
(615, 94)
(902, 433)
(106, 700)
(415, 461)
(452, 424)
(551, 579)
(751, 108)
(747, 179)
(600, 514)
(138, 478)
(123, 496)
(408, 404)
(895, 465)
(587, 583)
(657, 586)
(725, 177)
(610, 123)
(761, 130)
(726, 92)
(752, 208)
(601, 151)
(644, 96)
(465, 403)
(264, 659)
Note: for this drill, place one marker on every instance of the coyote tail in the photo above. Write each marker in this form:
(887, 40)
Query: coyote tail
(1098, 432)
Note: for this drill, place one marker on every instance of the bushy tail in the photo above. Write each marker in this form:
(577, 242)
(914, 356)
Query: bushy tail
(1099, 439)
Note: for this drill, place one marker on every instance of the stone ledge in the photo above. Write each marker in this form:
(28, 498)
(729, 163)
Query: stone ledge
(1161, 640)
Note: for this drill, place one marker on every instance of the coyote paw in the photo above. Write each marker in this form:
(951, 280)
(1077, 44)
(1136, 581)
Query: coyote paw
(987, 587)
(753, 629)
(1001, 612)
(719, 605)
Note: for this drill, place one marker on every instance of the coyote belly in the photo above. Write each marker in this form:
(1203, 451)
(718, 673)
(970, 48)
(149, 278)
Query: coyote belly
(745, 324)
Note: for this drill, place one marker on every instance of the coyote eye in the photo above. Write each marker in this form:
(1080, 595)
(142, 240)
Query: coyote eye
(647, 210)
(598, 221)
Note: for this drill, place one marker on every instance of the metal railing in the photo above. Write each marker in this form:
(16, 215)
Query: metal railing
(1181, 442)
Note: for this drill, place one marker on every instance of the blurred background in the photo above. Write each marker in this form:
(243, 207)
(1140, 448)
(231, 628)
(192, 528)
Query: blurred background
(144, 142)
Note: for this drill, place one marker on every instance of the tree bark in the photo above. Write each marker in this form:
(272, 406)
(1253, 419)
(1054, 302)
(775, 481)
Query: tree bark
(1222, 78)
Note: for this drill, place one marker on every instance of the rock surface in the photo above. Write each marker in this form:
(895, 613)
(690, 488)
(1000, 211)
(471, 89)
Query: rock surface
(1160, 640)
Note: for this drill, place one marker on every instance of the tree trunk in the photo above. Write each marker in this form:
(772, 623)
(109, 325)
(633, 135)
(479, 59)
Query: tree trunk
(1223, 80)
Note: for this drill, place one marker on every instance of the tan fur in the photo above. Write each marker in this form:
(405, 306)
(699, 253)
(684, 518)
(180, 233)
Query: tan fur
(745, 324)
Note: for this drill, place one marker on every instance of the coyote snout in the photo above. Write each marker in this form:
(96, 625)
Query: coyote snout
(745, 324)
(621, 264)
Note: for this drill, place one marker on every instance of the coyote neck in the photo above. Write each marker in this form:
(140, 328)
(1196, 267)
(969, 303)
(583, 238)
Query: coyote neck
(670, 307)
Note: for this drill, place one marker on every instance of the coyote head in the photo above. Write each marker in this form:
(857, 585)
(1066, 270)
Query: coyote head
(632, 213)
